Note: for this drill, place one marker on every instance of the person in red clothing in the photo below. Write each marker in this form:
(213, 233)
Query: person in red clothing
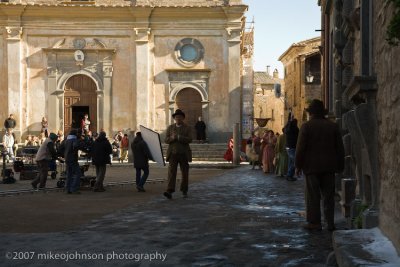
(124, 148)
(228, 156)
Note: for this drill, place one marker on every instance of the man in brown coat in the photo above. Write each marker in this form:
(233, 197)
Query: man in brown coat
(319, 154)
(178, 137)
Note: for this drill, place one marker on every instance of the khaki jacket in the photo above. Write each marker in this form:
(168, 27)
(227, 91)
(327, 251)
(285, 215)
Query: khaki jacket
(180, 143)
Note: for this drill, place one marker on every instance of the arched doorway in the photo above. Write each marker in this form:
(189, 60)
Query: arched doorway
(80, 98)
(189, 101)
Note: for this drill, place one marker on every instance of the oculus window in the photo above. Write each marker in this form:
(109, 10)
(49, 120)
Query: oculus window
(189, 52)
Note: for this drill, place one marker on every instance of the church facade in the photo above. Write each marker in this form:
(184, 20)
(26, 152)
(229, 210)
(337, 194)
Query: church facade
(124, 63)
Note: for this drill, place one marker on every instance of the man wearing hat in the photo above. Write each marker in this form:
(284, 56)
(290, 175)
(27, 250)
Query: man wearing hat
(319, 155)
(45, 154)
(178, 137)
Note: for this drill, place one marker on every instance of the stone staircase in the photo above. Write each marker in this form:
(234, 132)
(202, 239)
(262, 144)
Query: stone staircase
(205, 152)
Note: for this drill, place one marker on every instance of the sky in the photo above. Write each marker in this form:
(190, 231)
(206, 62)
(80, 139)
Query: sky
(279, 24)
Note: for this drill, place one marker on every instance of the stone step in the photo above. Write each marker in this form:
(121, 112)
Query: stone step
(205, 152)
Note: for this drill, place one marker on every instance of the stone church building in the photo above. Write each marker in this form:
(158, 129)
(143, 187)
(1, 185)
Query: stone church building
(124, 63)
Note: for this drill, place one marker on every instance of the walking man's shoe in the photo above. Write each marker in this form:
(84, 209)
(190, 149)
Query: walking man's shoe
(291, 179)
(168, 195)
(312, 226)
(140, 189)
(34, 186)
(99, 189)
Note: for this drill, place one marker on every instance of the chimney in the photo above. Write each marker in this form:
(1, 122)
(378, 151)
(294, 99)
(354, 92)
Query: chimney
(268, 67)
(276, 74)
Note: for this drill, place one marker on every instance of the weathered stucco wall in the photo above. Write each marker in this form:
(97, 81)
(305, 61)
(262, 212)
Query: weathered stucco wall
(3, 77)
(387, 60)
(215, 58)
(140, 2)
(122, 107)
(129, 53)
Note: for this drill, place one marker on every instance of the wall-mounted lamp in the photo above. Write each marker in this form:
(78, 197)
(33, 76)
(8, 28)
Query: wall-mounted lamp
(309, 77)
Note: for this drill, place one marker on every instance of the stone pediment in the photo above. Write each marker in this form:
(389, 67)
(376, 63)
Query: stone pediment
(79, 43)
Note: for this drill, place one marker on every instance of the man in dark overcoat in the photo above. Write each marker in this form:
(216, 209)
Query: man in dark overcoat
(319, 155)
(100, 152)
(200, 127)
(141, 156)
(178, 137)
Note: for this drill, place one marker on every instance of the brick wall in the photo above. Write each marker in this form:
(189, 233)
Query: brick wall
(387, 60)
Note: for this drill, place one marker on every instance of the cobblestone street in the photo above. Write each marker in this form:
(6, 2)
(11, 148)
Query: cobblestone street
(239, 218)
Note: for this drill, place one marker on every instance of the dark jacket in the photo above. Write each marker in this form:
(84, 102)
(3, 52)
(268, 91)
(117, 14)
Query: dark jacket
(101, 150)
(141, 153)
(292, 133)
(70, 148)
(320, 147)
(10, 123)
(179, 144)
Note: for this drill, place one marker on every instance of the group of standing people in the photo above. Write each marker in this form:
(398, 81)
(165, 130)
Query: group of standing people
(99, 149)
(274, 152)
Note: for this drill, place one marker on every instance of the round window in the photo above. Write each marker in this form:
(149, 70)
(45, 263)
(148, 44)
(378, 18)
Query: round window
(189, 52)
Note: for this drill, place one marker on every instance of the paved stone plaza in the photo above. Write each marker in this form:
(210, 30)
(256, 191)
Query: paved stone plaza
(238, 218)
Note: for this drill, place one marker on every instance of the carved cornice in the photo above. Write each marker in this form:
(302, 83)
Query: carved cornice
(14, 33)
(72, 50)
(142, 34)
(234, 34)
(108, 70)
(360, 87)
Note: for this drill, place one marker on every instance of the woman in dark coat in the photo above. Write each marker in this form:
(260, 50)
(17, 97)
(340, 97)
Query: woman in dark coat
(101, 151)
(141, 156)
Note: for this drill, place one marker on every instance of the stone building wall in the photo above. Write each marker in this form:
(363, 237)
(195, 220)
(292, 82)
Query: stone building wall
(387, 60)
(132, 59)
(3, 78)
(267, 105)
(137, 2)
(297, 90)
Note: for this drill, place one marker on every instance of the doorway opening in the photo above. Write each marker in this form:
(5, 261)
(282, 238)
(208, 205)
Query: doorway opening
(80, 98)
(189, 101)
(78, 113)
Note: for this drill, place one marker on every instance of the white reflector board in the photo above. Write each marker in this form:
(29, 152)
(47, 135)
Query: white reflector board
(153, 141)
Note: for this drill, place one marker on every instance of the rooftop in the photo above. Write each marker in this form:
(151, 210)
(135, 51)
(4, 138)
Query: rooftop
(261, 77)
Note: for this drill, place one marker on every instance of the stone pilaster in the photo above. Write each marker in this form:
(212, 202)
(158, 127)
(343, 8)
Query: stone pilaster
(142, 76)
(14, 47)
(234, 85)
(104, 104)
(56, 97)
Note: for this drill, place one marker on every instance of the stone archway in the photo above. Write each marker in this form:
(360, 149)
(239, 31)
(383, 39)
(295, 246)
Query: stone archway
(80, 97)
(189, 101)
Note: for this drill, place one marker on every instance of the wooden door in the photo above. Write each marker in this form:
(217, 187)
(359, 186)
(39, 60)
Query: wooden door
(189, 101)
(80, 90)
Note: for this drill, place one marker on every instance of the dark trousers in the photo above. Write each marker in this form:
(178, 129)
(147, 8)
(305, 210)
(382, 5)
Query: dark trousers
(73, 176)
(43, 168)
(320, 186)
(183, 162)
(100, 174)
(141, 179)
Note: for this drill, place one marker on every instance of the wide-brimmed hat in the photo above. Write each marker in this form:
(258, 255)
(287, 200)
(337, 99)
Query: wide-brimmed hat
(178, 112)
(316, 107)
